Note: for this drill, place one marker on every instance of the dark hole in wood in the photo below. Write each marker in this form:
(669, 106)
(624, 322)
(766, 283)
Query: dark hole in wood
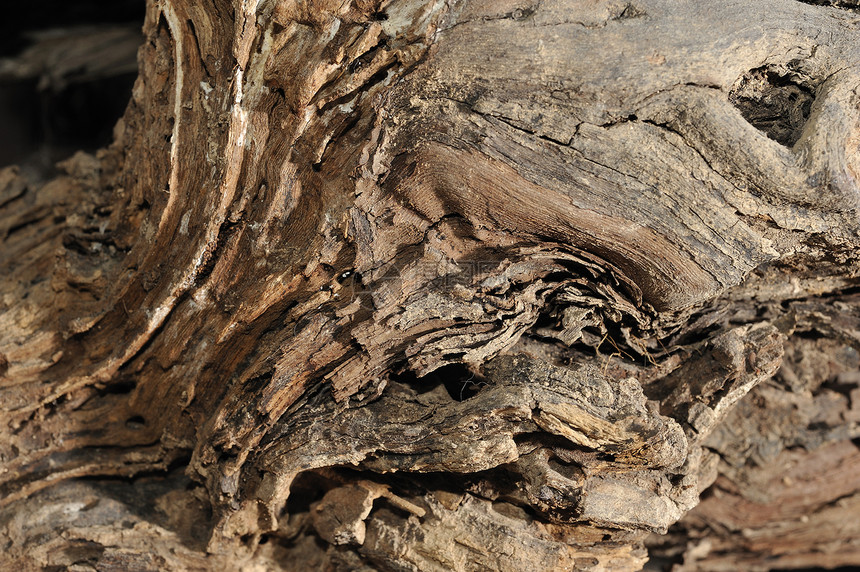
(775, 104)
(306, 489)
(119, 388)
(847, 4)
(459, 381)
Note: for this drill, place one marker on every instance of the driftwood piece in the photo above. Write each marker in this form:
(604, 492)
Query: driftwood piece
(436, 285)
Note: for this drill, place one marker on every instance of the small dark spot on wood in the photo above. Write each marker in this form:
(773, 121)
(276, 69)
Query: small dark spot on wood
(342, 277)
(136, 422)
(119, 387)
(810, 334)
(629, 12)
(522, 13)
(378, 76)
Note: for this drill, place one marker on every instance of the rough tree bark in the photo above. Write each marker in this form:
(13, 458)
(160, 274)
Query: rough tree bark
(446, 285)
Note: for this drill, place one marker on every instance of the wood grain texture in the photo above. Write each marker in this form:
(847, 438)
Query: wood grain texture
(426, 285)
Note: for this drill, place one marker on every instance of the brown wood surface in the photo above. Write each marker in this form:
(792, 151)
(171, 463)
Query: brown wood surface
(446, 285)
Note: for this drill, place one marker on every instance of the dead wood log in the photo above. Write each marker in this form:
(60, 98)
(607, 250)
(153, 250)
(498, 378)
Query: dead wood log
(440, 285)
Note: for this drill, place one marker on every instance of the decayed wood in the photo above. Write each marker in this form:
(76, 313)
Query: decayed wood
(787, 494)
(438, 285)
(799, 512)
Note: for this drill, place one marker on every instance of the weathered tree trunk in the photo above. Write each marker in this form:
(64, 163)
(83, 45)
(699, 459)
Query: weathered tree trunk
(446, 285)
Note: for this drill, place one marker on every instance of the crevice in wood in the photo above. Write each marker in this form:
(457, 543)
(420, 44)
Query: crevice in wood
(775, 104)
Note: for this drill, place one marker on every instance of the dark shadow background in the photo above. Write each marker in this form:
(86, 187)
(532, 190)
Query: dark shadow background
(43, 120)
